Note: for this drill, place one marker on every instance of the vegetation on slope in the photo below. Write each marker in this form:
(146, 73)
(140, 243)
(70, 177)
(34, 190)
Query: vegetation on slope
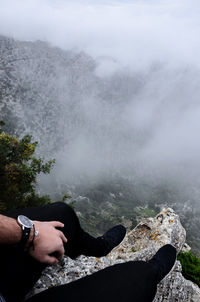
(191, 266)
(18, 171)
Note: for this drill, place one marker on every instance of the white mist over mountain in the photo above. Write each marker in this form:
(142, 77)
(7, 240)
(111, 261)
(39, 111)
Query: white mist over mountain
(149, 50)
(135, 33)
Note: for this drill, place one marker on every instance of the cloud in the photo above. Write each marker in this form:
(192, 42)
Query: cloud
(135, 33)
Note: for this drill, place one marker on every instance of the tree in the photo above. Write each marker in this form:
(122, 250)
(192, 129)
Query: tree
(18, 172)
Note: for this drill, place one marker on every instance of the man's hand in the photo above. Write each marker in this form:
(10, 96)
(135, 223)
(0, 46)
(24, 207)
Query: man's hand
(48, 245)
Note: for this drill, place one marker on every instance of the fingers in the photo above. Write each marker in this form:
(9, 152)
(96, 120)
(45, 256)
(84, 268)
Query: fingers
(59, 253)
(56, 224)
(62, 236)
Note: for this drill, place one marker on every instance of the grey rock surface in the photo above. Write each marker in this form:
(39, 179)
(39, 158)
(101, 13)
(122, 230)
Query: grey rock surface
(139, 244)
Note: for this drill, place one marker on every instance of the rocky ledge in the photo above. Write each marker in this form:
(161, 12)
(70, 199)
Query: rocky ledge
(139, 244)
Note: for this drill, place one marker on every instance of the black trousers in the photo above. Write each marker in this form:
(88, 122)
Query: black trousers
(127, 282)
(131, 281)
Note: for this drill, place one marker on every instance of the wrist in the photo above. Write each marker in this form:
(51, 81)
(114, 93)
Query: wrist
(18, 231)
(32, 237)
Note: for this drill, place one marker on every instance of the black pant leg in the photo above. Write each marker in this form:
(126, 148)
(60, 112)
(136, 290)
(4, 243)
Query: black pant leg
(127, 282)
(19, 271)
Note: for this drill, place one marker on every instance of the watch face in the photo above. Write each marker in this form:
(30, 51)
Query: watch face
(25, 221)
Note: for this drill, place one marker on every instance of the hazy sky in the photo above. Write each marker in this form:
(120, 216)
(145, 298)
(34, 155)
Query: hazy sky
(133, 32)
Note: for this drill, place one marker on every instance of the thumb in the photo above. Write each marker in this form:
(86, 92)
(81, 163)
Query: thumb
(50, 260)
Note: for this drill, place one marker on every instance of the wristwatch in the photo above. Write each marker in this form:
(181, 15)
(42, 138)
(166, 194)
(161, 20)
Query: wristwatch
(26, 225)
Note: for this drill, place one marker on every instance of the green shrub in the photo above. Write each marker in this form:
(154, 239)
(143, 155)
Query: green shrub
(18, 171)
(191, 266)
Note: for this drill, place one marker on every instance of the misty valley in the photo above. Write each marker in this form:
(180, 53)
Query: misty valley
(125, 143)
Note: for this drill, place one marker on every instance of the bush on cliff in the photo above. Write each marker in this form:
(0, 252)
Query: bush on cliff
(18, 171)
(191, 266)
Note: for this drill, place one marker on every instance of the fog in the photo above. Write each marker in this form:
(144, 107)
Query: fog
(134, 33)
(155, 132)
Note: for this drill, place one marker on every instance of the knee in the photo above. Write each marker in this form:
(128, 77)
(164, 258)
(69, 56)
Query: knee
(62, 206)
(65, 212)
